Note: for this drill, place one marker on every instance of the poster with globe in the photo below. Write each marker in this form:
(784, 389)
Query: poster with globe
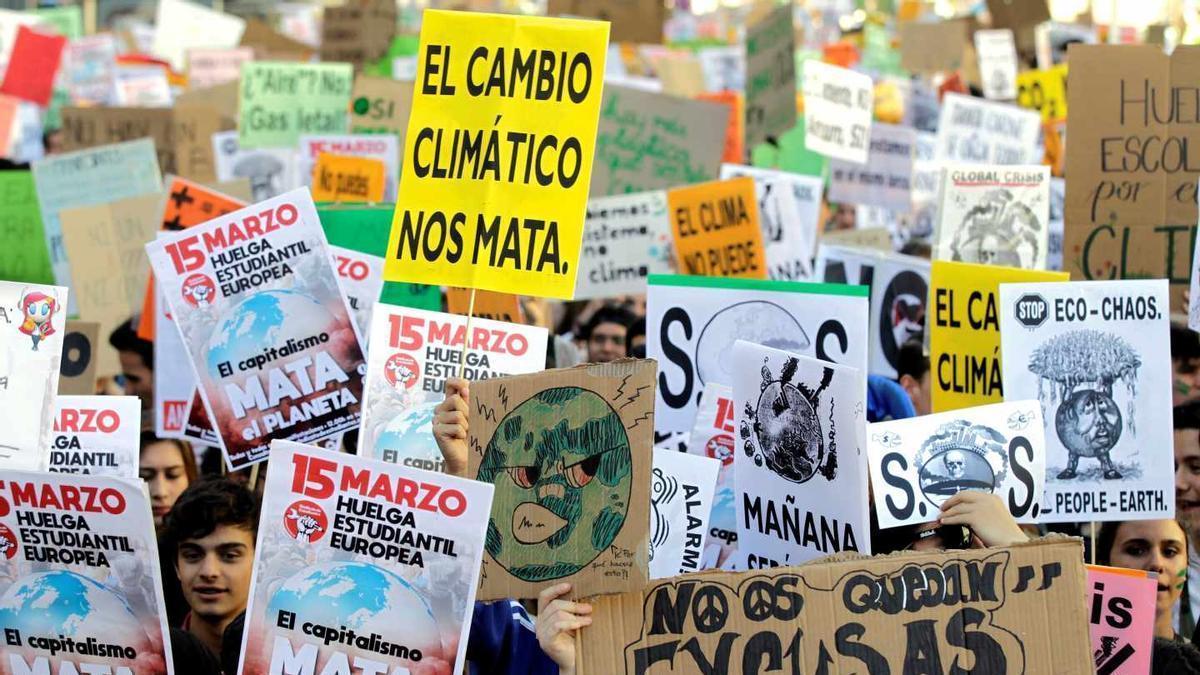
(362, 562)
(413, 353)
(800, 461)
(80, 586)
(1094, 355)
(275, 349)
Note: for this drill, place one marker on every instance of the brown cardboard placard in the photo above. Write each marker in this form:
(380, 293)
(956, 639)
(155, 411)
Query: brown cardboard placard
(932, 47)
(1007, 610)
(89, 127)
(1130, 208)
(81, 342)
(194, 127)
(1022, 16)
(631, 20)
(379, 105)
(271, 45)
(357, 34)
(770, 76)
(569, 452)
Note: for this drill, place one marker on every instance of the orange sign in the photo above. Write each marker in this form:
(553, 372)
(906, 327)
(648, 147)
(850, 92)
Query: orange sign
(716, 231)
(488, 305)
(345, 178)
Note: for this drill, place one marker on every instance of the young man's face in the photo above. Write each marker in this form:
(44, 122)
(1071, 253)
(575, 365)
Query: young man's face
(607, 343)
(214, 572)
(1186, 380)
(139, 379)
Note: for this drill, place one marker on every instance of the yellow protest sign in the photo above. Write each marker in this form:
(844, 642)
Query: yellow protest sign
(964, 340)
(1044, 91)
(498, 156)
(716, 231)
(344, 178)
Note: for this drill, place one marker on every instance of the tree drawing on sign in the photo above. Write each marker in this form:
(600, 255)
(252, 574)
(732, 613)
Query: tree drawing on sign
(783, 428)
(997, 231)
(562, 469)
(1082, 366)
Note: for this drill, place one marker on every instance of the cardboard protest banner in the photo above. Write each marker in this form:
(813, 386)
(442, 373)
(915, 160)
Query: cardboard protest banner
(34, 62)
(591, 529)
(996, 215)
(919, 463)
(803, 469)
(735, 145)
(269, 44)
(1092, 353)
(195, 126)
(631, 21)
(24, 257)
(89, 127)
(964, 339)
(361, 543)
(180, 25)
(88, 177)
(886, 179)
(1122, 603)
(29, 373)
(716, 231)
(357, 34)
(77, 371)
(97, 435)
(681, 494)
(380, 106)
(932, 47)
(679, 73)
(983, 132)
(1044, 91)
(89, 69)
(649, 141)
(712, 436)
(625, 239)
(465, 220)
(770, 75)
(342, 178)
(271, 171)
(413, 352)
(270, 336)
(789, 207)
(692, 323)
(997, 53)
(899, 285)
(838, 106)
(279, 101)
(1131, 201)
(381, 147)
(79, 576)
(207, 67)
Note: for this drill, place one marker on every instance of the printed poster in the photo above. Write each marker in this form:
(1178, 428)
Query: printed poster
(35, 319)
(1094, 354)
(383, 147)
(382, 560)
(97, 435)
(800, 479)
(174, 379)
(276, 352)
(693, 322)
(1121, 603)
(997, 52)
(885, 181)
(789, 207)
(716, 230)
(919, 463)
(79, 577)
(681, 493)
(625, 239)
(713, 436)
(1054, 238)
(89, 69)
(271, 171)
(838, 109)
(994, 215)
(413, 352)
(361, 277)
(984, 132)
(281, 101)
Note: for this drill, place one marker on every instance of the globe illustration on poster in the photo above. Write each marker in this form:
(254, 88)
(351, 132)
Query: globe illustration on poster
(410, 434)
(65, 603)
(261, 321)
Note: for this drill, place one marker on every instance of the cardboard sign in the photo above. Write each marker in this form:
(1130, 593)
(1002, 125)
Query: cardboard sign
(934, 47)
(271, 171)
(838, 105)
(981, 132)
(692, 323)
(271, 44)
(34, 63)
(77, 371)
(356, 546)
(886, 179)
(919, 463)
(681, 493)
(1122, 603)
(413, 352)
(679, 73)
(195, 126)
(591, 527)
(80, 563)
(488, 305)
(278, 102)
(24, 258)
(264, 272)
(997, 54)
(649, 141)
(180, 25)
(801, 479)
(510, 226)
(712, 436)
(1019, 610)
(358, 34)
(92, 127)
(1044, 91)
(735, 145)
(716, 230)
(1131, 201)
(964, 340)
(899, 286)
(341, 178)
(993, 215)
(34, 320)
(380, 147)
(380, 106)
(1093, 354)
(631, 21)
(770, 76)
(789, 208)
(97, 435)
(210, 67)
(625, 239)
(89, 69)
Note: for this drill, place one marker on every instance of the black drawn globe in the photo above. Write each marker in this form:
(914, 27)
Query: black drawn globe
(789, 433)
(1088, 423)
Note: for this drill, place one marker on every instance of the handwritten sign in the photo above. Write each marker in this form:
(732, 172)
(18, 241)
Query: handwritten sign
(716, 229)
(24, 258)
(380, 106)
(973, 130)
(279, 102)
(886, 179)
(838, 107)
(1122, 607)
(770, 76)
(789, 208)
(341, 178)
(379, 147)
(625, 239)
(997, 54)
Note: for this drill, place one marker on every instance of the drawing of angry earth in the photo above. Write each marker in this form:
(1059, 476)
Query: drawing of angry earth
(562, 469)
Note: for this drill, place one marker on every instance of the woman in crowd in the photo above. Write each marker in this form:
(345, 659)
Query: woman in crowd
(1155, 546)
(168, 466)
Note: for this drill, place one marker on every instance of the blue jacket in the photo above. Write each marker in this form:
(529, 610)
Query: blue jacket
(503, 641)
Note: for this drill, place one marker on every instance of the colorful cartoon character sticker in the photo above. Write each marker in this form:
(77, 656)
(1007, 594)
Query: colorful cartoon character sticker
(39, 310)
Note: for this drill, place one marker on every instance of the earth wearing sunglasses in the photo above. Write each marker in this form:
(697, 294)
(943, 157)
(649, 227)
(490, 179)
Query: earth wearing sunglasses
(562, 470)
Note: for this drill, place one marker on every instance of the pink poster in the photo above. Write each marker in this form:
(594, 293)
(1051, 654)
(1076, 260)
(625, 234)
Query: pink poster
(1121, 612)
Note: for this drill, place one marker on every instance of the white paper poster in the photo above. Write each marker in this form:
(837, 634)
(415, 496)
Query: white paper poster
(681, 496)
(89, 69)
(1054, 235)
(35, 318)
(180, 25)
(885, 180)
(713, 436)
(919, 463)
(983, 132)
(994, 215)
(361, 277)
(1095, 355)
(838, 109)
(800, 474)
(271, 171)
(692, 323)
(382, 559)
(413, 352)
(918, 223)
(997, 63)
(625, 239)
(98, 435)
(383, 147)
(789, 211)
